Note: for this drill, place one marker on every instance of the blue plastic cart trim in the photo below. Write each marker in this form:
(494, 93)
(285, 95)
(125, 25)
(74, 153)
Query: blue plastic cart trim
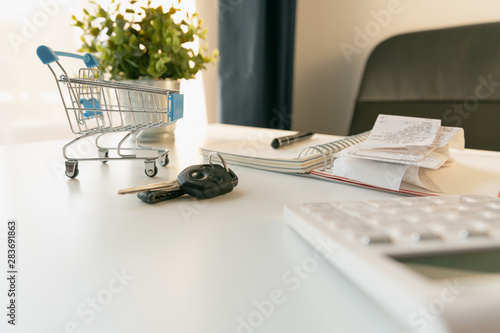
(176, 106)
(47, 56)
(89, 105)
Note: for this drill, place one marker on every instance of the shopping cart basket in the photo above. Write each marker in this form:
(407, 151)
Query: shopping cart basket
(97, 107)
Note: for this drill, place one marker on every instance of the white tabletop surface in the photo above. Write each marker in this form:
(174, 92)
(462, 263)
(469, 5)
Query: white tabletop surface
(90, 260)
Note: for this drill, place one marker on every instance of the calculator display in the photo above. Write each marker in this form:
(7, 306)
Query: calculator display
(455, 265)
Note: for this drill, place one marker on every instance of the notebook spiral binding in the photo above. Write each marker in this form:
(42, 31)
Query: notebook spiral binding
(330, 150)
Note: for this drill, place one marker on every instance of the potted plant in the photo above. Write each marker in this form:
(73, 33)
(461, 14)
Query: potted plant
(148, 45)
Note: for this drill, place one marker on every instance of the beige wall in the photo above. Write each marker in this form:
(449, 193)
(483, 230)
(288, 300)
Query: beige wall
(326, 78)
(208, 11)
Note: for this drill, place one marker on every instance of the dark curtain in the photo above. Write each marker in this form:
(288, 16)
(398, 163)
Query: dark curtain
(256, 44)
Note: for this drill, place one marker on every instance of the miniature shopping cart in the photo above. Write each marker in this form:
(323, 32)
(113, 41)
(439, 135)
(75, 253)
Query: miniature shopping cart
(95, 107)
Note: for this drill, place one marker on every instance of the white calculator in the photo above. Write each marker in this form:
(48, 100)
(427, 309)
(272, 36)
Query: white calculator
(433, 262)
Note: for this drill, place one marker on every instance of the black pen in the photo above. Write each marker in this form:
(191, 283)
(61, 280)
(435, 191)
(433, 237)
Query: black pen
(289, 139)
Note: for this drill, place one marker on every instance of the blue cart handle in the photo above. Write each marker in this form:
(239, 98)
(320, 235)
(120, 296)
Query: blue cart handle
(48, 56)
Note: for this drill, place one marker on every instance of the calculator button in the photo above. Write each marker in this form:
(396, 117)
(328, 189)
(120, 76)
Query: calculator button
(384, 203)
(467, 233)
(475, 198)
(386, 220)
(365, 213)
(412, 217)
(314, 207)
(424, 236)
(358, 230)
(331, 216)
(370, 239)
(449, 229)
(450, 215)
(352, 206)
(487, 214)
(352, 225)
(449, 200)
(467, 207)
(417, 201)
(482, 225)
(495, 205)
(437, 209)
(411, 228)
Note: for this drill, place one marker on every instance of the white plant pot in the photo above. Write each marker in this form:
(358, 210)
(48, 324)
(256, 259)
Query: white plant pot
(165, 132)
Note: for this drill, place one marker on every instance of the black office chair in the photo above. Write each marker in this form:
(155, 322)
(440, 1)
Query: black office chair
(450, 74)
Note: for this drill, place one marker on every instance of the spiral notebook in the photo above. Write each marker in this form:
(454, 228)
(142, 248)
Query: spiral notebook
(302, 157)
(311, 158)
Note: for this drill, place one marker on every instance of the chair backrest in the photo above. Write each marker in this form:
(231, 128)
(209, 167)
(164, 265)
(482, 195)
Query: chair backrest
(450, 74)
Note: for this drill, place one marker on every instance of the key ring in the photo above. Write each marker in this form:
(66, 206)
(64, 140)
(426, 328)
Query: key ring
(220, 158)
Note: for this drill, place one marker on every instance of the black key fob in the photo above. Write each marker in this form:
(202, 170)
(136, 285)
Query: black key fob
(206, 181)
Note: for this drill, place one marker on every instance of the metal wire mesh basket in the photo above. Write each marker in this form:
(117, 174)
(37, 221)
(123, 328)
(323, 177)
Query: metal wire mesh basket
(96, 107)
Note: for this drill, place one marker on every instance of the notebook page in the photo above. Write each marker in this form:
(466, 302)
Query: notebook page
(260, 148)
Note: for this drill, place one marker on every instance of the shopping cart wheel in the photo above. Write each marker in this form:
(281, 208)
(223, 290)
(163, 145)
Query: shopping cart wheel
(71, 169)
(103, 153)
(164, 160)
(150, 168)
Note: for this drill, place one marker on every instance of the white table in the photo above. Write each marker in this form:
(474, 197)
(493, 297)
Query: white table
(92, 261)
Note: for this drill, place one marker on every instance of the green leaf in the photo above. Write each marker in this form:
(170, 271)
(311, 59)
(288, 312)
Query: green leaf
(176, 44)
(133, 64)
(102, 12)
(117, 41)
(94, 32)
(132, 41)
(159, 66)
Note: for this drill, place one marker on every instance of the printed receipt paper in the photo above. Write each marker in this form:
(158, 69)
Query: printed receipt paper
(400, 149)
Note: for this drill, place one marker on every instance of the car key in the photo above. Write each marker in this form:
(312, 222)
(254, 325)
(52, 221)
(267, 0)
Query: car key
(202, 181)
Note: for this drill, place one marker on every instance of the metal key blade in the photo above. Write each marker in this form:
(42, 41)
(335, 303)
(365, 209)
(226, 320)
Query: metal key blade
(172, 185)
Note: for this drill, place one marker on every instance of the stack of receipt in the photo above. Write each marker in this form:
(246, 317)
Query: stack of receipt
(400, 149)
